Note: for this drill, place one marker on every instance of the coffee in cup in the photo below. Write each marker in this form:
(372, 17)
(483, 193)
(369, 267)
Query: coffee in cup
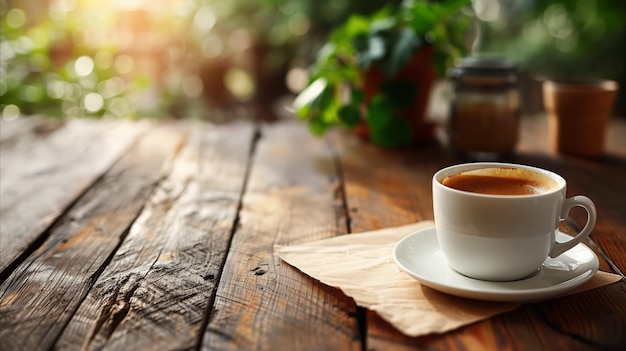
(501, 181)
(498, 221)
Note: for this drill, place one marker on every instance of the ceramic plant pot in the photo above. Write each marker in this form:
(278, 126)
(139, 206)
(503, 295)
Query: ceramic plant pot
(578, 114)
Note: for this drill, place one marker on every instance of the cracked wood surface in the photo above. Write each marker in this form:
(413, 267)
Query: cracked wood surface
(133, 236)
(291, 196)
(159, 285)
(45, 165)
(40, 296)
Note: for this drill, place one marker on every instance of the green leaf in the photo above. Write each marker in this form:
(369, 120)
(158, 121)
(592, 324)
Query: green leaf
(376, 46)
(397, 132)
(386, 128)
(317, 127)
(399, 93)
(378, 113)
(335, 74)
(324, 101)
(349, 115)
(310, 95)
(355, 25)
(326, 52)
(452, 7)
(369, 49)
(316, 105)
(404, 45)
(425, 16)
(356, 96)
(382, 25)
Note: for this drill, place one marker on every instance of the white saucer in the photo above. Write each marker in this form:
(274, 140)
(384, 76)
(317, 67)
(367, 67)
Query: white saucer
(419, 255)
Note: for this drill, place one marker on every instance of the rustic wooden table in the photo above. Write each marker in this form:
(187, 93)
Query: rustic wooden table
(120, 235)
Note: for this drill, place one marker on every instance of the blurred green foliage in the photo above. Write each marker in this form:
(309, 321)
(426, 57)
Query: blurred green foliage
(74, 58)
(50, 65)
(558, 39)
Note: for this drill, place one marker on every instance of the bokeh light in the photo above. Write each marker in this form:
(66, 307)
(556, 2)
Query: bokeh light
(103, 59)
(56, 89)
(205, 19)
(212, 46)
(83, 66)
(10, 112)
(124, 64)
(15, 18)
(240, 83)
(297, 78)
(93, 102)
(487, 10)
(192, 87)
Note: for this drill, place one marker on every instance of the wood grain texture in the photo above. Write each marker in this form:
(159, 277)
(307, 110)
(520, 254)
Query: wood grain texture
(262, 303)
(389, 188)
(386, 188)
(45, 165)
(40, 296)
(161, 282)
(166, 244)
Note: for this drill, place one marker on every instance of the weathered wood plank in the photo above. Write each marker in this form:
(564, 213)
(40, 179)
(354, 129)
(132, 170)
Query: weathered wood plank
(45, 165)
(389, 188)
(263, 303)
(386, 188)
(159, 285)
(40, 296)
(510, 331)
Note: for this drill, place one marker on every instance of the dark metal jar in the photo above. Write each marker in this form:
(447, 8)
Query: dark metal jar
(485, 108)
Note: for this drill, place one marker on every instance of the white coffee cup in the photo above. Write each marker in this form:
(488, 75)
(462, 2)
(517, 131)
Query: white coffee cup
(503, 237)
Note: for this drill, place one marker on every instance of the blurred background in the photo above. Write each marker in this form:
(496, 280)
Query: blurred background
(217, 59)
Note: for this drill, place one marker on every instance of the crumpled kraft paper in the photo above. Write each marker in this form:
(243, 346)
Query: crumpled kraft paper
(362, 266)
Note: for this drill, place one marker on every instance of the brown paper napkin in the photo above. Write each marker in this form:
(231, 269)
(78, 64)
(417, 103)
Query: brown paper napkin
(362, 266)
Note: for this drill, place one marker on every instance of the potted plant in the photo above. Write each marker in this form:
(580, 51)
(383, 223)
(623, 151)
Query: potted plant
(375, 72)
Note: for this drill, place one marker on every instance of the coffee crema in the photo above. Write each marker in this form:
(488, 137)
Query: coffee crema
(501, 181)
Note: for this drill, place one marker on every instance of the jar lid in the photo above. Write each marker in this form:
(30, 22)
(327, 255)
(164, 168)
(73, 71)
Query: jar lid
(488, 66)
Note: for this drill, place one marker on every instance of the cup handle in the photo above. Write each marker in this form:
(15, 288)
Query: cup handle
(568, 204)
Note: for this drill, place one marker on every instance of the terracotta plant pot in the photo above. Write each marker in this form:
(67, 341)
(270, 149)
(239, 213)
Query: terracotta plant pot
(420, 71)
(578, 114)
